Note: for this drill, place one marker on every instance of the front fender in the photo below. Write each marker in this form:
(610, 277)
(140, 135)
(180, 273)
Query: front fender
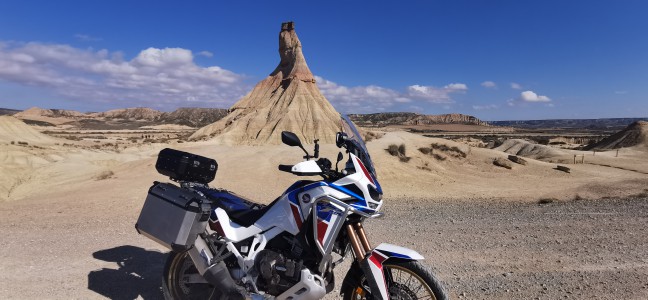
(393, 251)
(372, 268)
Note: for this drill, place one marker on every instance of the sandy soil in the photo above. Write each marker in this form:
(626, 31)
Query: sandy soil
(68, 215)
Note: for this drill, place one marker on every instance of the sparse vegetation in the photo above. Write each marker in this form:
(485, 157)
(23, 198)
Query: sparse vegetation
(398, 151)
(23, 143)
(13, 143)
(371, 135)
(504, 163)
(450, 151)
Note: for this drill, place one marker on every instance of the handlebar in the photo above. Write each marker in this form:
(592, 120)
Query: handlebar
(286, 168)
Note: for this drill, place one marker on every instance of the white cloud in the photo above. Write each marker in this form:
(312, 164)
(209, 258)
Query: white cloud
(87, 38)
(489, 84)
(530, 96)
(485, 107)
(516, 86)
(155, 77)
(436, 95)
(375, 98)
(359, 98)
(205, 54)
(456, 87)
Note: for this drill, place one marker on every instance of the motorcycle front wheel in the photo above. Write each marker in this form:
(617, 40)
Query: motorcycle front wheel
(181, 280)
(406, 281)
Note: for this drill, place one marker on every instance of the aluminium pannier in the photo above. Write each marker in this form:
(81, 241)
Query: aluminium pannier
(173, 216)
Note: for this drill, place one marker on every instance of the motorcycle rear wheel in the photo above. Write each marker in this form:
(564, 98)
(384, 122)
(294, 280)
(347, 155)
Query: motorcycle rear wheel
(409, 280)
(181, 280)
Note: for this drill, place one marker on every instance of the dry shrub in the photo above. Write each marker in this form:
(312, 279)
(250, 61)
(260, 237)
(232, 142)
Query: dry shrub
(425, 150)
(105, 175)
(392, 150)
(23, 143)
(398, 151)
(504, 163)
(370, 136)
(452, 151)
(547, 200)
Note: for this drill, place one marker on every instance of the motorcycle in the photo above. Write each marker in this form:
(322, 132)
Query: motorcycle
(224, 246)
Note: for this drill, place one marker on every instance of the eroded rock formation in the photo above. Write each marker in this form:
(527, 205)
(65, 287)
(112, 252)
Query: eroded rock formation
(288, 99)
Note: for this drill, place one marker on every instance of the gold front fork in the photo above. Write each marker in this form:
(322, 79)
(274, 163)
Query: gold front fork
(358, 239)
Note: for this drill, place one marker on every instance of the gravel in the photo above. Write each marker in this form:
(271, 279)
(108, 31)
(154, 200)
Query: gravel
(481, 249)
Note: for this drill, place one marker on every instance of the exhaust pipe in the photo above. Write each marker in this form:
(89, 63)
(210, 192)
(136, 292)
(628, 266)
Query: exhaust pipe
(215, 274)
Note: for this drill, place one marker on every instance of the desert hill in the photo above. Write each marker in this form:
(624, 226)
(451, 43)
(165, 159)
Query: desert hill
(8, 111)
(15, 130)
(406, 118)
(192, 117)
(135, 113)
(527, 149)
(52, 113)
(126, 118)
(288, 99)
(636, 134)
(604, 123)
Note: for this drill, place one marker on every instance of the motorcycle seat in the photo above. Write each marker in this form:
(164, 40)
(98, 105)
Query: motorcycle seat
(241, 210)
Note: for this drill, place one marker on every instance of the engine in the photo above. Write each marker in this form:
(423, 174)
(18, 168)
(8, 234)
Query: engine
(276, 272)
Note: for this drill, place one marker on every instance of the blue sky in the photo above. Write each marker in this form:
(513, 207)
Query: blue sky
(496, 60)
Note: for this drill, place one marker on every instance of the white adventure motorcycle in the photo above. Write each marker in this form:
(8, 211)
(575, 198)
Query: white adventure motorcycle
(226, 247)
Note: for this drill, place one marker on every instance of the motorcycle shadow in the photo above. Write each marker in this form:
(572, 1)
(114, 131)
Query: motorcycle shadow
(139, 273)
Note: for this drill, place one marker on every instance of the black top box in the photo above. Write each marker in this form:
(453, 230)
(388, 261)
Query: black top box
(184, 166)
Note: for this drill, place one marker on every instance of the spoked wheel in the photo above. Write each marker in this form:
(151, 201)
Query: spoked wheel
(182, 281)
(406, 281)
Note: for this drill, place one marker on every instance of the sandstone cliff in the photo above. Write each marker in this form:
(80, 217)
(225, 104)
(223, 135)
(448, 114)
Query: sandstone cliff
(383, 119)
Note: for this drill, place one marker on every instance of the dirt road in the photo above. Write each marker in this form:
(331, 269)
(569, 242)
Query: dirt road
(62, 248)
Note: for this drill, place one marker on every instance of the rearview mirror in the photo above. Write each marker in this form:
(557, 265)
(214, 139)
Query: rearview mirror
(290, 139)
(340, 137)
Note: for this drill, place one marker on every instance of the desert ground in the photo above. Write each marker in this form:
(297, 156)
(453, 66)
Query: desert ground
(69, 207)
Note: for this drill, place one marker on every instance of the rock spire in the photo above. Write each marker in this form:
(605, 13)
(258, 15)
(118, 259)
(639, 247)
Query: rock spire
(288, 99)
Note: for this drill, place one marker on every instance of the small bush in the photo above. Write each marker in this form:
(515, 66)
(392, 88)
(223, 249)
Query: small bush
(23, 143)
(13, 143)
(398, 151)
(370, 136)
(425, 150)
(438, 157)
(401, 149)
(392, 149)
(546, 200)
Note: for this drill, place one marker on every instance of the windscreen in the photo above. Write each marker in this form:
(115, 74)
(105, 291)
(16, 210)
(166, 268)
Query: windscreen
(360, 149)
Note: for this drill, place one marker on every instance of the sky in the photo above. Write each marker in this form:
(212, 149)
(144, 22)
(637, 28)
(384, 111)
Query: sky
(496, 60)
